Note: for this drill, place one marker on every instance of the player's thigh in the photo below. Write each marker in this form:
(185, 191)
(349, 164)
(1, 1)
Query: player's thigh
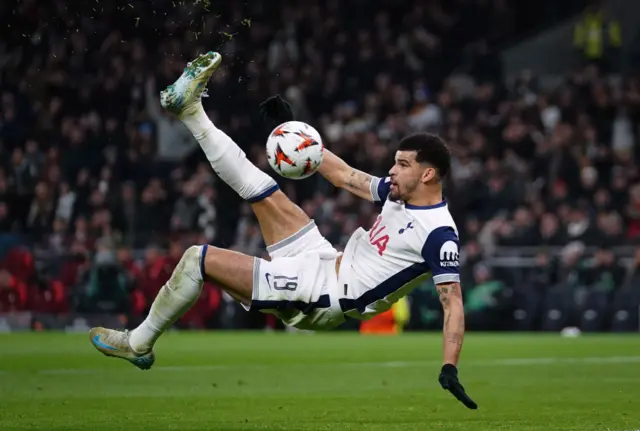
(232, 270)
(279, 217)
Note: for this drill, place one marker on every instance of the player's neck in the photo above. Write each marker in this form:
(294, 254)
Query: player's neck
(430, 197)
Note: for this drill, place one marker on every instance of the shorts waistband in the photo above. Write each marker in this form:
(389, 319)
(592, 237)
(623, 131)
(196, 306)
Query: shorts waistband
(285, 242)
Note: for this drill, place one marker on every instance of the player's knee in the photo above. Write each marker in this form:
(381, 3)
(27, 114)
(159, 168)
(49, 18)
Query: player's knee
(192, 262)
(261, 192)
(186, 280)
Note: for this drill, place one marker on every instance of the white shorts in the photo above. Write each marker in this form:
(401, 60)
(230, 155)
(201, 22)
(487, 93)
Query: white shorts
(299, 284)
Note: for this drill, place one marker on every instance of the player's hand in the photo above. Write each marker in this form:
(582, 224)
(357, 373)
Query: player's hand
(276, 110)
(449, 380)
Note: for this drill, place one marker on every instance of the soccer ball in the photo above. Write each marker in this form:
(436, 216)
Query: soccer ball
(295, 150)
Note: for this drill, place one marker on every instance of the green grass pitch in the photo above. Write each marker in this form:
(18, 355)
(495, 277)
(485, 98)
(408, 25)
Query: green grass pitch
(341, 381)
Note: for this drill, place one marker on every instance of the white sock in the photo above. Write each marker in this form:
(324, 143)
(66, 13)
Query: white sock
(228, 160)
(173, 299)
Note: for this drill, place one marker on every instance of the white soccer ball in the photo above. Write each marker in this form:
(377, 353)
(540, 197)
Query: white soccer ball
(295, 150)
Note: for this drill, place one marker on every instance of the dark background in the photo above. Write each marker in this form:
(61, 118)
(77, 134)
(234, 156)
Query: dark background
(101, 192)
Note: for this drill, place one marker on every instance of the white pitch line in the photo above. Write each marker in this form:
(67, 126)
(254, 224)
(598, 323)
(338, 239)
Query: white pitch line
(509, 362)
(545, 361)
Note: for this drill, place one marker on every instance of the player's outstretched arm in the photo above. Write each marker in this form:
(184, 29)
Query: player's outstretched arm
(340, 174)
(275, 110)
(453, 329)
(453, 335)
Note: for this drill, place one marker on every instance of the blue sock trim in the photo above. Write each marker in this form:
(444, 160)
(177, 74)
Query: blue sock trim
(265, 194)
(203, 254)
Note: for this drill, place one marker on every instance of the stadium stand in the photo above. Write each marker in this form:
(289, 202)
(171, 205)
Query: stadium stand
(101, 191)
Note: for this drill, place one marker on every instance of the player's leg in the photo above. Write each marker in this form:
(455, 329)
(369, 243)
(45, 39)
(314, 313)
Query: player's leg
(278, 216)
(232, 270)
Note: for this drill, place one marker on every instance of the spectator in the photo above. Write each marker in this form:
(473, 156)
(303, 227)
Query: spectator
(580, 227)
(13, 292)
(484, 300)
(187, 208)
(66, 202)
(611, 229)
(41, 212)
(155, 272)
(606, 274)
(543, 275)
(633, 212)
(598, 37)
(127, 210)
(572, 272)
(6, 223)
(57, 241)
(632, 279)
(471, 257)
(521, 229)
(550, 233)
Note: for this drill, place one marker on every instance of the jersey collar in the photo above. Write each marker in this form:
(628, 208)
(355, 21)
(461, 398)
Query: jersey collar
(426, 207)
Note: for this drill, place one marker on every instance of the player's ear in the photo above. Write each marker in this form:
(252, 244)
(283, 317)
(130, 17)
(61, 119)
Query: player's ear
(429, 174)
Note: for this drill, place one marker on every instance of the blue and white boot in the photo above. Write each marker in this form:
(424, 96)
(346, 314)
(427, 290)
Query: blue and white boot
(116, 344)
(183, 96)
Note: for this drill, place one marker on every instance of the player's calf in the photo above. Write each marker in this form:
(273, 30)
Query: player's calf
(173, 300)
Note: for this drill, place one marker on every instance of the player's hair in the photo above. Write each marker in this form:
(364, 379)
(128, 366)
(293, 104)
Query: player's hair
(429, 149)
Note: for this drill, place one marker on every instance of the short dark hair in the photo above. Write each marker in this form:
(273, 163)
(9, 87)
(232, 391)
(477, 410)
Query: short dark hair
(430, 149)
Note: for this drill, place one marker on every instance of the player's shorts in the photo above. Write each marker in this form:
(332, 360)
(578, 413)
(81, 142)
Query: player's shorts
(299, 285)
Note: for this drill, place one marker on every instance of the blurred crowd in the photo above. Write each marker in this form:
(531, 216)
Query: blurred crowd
(101, 191)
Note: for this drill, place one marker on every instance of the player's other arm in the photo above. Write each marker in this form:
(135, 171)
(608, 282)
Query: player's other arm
(340, 174)
(453, 334)
(453, 328)
(441, 253)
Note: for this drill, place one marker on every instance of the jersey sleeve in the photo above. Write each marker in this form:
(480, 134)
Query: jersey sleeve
(441, 254)
(380, 188)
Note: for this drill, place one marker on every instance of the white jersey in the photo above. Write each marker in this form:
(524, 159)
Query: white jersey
(406, 245)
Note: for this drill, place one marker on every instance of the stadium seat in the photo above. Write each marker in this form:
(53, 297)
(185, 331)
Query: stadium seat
(594, 312)
(19, 261)
(555, 312)
(625, 311)
(526, 303)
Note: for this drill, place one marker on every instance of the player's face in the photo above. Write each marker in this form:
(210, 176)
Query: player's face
(407, 175)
